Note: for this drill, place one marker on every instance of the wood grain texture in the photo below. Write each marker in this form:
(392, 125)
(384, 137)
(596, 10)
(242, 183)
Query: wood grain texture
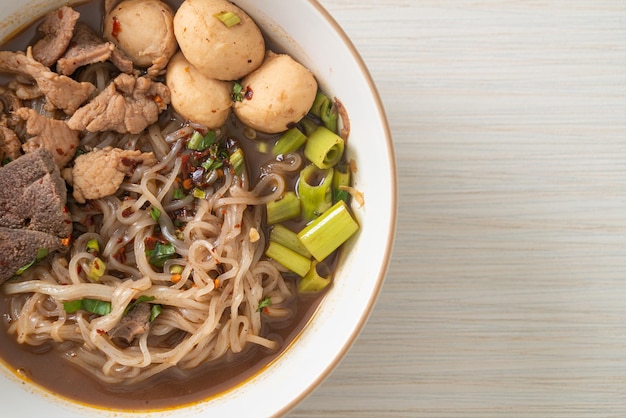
(506, 294)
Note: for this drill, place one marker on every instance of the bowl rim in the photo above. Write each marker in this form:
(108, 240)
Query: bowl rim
(383, 266)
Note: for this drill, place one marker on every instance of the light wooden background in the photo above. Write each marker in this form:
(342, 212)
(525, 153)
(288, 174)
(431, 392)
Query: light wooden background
(506, 294)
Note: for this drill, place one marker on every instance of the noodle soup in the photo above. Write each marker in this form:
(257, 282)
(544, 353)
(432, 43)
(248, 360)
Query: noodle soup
(197, 240)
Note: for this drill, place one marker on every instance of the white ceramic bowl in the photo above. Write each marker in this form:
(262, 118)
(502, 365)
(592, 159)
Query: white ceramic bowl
(305, 30)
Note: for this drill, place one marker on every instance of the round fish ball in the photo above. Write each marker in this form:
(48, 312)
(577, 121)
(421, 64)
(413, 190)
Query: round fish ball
(278, 94)
(196, 97)
(215, 49)
(144, 30)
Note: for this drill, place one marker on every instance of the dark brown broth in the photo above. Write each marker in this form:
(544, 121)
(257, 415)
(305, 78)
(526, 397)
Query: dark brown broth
(45, 366)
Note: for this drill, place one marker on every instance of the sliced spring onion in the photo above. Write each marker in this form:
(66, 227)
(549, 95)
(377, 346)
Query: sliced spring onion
(178, 194)
(237, 161)
(285, 208)
(97, 267)
(341, 178)
(313, 281)
(155, 213)
(229, 19)
(176, 269)
(308, 125)
(286, 237)
(72, 305)
(264, 303)
(92, 247)
(324, 108)
(324, 148)
(199, 142)
(289, 141)
(328, 232)
(315, 191)
(199, 193)
(288, 258)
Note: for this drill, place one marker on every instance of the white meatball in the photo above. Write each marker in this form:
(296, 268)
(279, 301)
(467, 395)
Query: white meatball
(196, 97)
(144, 30)
(215, 49)
(278, 94)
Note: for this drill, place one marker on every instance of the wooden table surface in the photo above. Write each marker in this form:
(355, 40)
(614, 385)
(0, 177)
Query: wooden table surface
(506, 293)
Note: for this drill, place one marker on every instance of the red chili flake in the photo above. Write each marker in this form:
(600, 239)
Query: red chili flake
(127, 212)
(60, 14)
(120, 256)
(101, 331)
(117, 28)
(65, 209)
(266, 311)
(60, 151)
(249, 93)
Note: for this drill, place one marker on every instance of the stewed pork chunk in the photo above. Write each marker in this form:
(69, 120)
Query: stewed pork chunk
(127, 105)
(100, 173)
(62, 92)
(51, 134)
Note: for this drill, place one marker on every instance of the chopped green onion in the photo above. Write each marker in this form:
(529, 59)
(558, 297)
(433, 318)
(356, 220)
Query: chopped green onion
(92, 247)
(6, 161)
(237, 94)
(288, 258)
(264, 303)
(140, 299)
(178, 194)
(289, 141)
(237, 161)
(199, 193)
(155, 311)
(285, 208)
(325, 109)
(324, 148)
(262, 147)
(313, 281)
(72, 305)
(341, 178)
(155, 213)
(160, 253)
(229, 19)
(315, 191)
(199, 142)
(41, 254)
(328, 232)
(286, 237)
(97, 267)
(308, 125)
(176, 269)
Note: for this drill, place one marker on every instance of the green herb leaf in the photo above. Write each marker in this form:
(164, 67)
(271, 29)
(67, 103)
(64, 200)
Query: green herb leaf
(155, 311)
(155, 213)
(340, 195)
(237, 95)
(96, 306)
(264, 303)
(160, 253)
